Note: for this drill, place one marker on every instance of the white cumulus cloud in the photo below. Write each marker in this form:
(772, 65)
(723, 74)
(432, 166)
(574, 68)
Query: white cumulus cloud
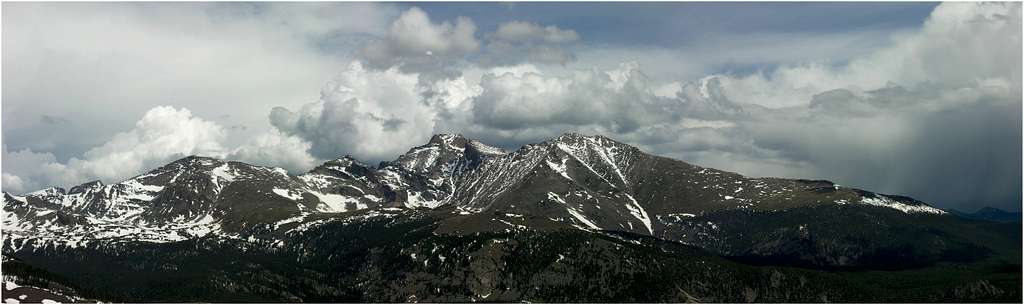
(415, 43)
(370, 114)
(276, 149)
(163, 134)
(961, 45)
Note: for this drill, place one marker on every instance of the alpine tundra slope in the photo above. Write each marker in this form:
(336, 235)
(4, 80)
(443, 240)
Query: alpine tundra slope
(575, 218)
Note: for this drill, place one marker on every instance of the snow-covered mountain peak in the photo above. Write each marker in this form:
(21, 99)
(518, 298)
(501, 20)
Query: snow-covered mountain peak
(602, 156)
(570, 137)
(343, 162)
(579, 139)
(437, 154)
(84, 187)
(345, 167)
(194, 160)
(450, 141)
(347, 160)
(48, 192)
(485, 149)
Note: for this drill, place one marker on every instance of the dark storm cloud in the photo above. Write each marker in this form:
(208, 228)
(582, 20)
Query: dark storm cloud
(53, 120)
(959, 156)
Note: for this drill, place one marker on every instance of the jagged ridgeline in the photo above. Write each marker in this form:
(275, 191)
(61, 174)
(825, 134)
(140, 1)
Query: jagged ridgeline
(573, 219)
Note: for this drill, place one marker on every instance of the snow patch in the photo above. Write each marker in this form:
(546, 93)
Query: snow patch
(573, 211)
(487, 149)
(415, 200)
(638, 211)
(559, 168)
(883, 201)
(289, 220)
(334, 203)
(224, 172)
(555, 197)
(287, 194)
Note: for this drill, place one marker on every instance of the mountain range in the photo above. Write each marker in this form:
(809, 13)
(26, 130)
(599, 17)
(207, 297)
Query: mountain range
(990, 214)
(576, 218)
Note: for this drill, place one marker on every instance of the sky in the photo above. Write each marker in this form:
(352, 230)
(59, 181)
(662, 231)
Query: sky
(918, 99)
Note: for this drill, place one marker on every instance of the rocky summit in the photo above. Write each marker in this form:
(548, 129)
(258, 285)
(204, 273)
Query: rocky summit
(576, 218)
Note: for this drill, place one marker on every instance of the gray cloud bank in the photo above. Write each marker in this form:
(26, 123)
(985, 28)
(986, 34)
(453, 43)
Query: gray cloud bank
(935, 115)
